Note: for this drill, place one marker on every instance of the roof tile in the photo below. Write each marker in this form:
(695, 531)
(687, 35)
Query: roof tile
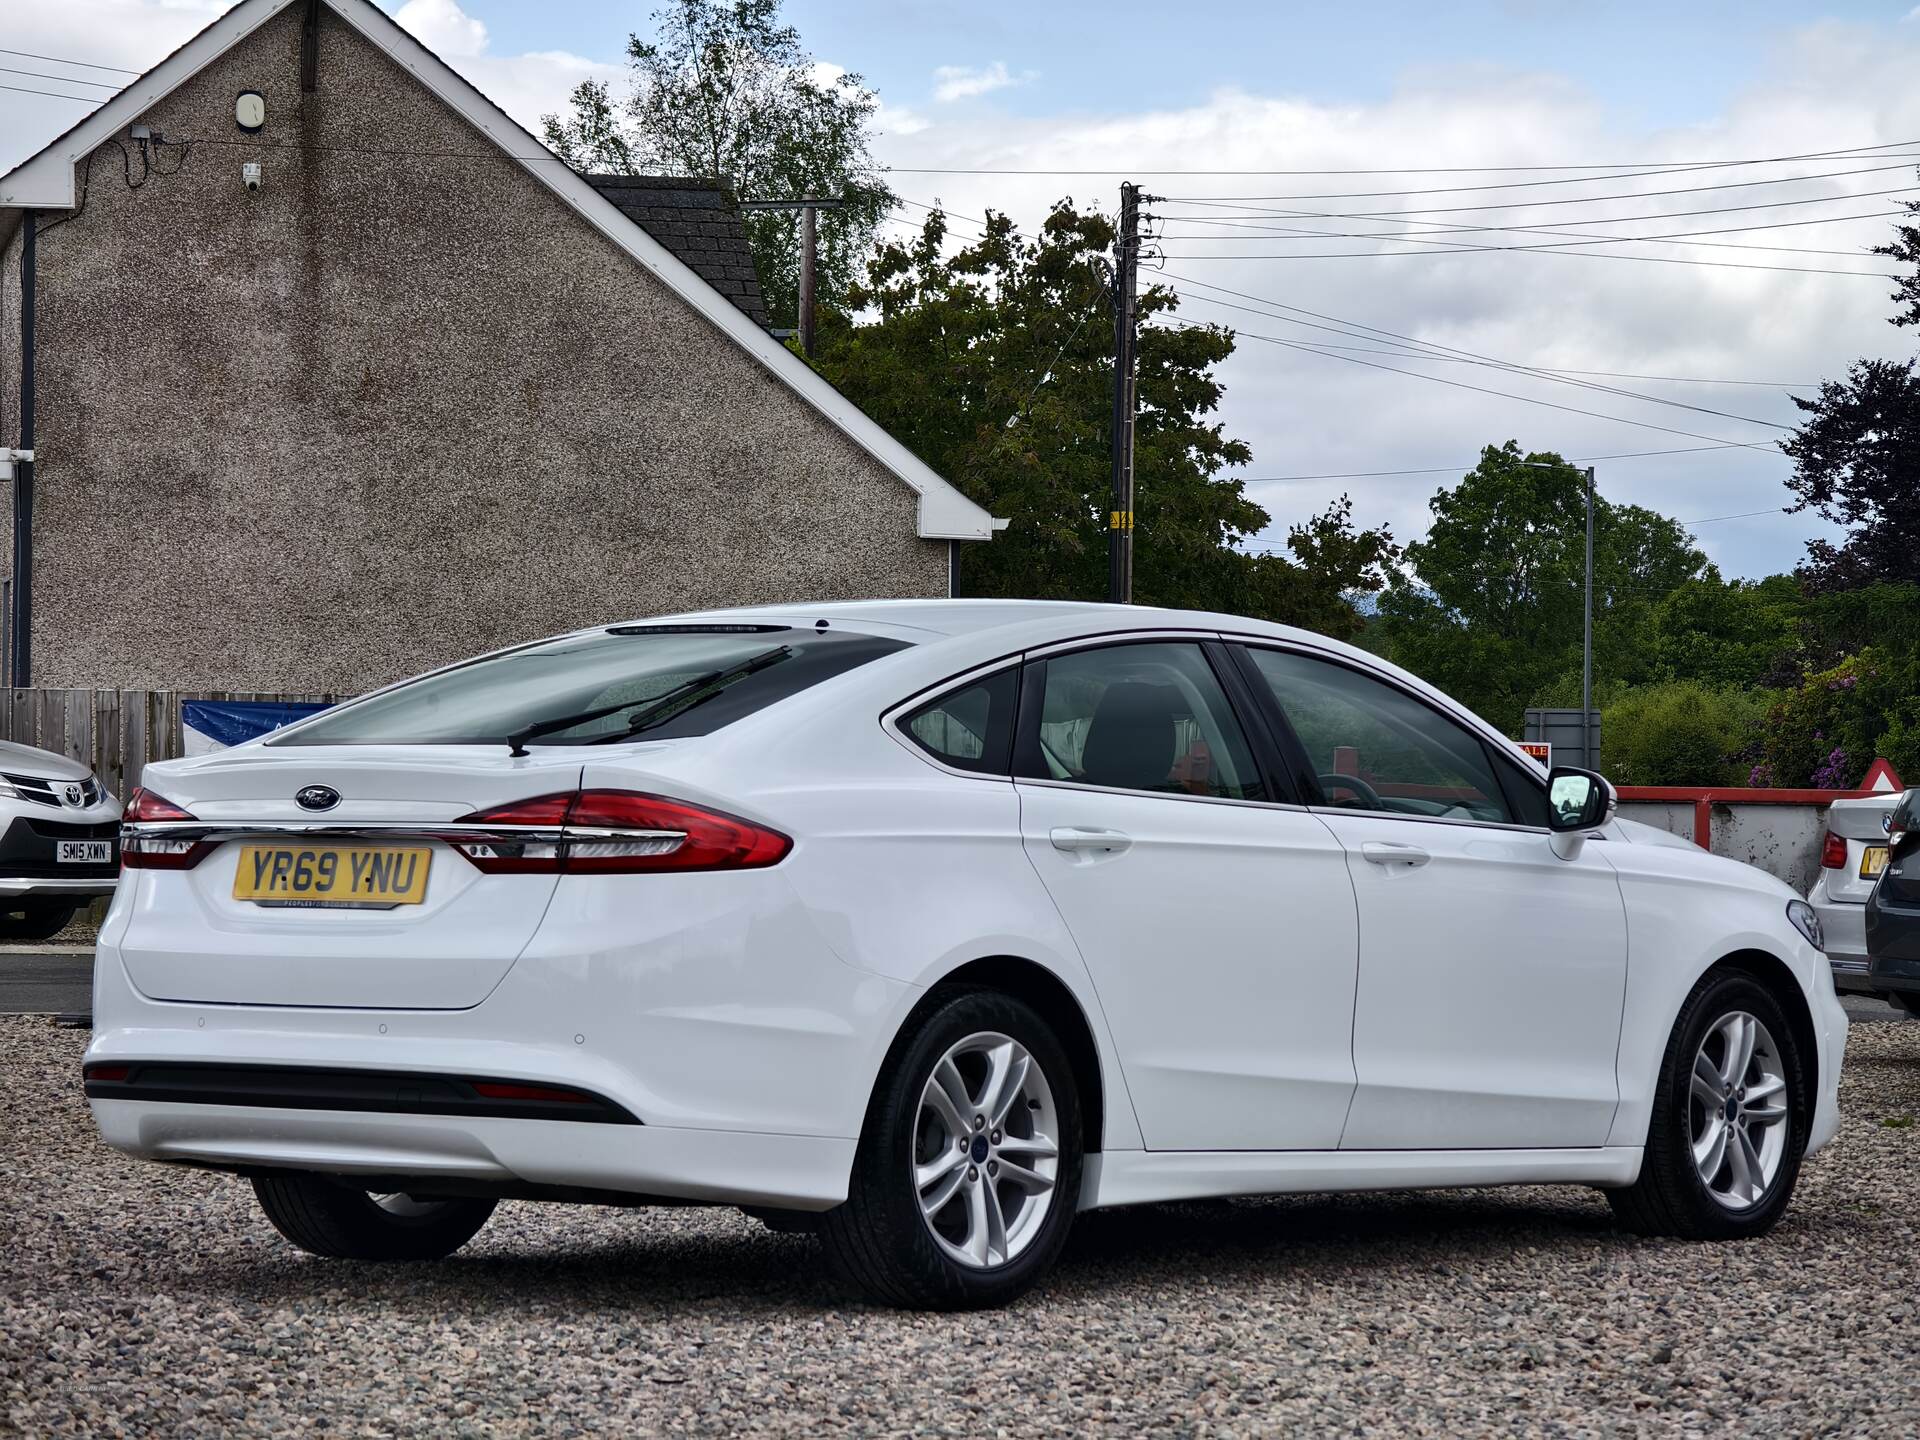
(696, 220)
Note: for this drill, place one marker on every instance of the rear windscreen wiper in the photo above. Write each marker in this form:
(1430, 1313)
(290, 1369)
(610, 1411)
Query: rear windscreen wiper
(649, 709)
(697, 691)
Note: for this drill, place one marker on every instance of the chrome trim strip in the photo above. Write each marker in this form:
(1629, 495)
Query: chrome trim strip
(1082, 786)
(382, 830)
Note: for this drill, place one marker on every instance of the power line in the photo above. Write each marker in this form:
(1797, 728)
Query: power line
(1672, 236)
(56, 95)
(1568, 180)
(1461, 468)
(1405, 354)
(1861, 150)
(83, 64)
(63, 79)
(1481, 389)
(1255, 230)
(1255, 211)
(1351, 327)
(1269, 236)
(1547, 250)
(1572, 200)
(1743, 515)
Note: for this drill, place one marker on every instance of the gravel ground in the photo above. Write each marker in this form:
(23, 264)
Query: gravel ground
(138, 1300)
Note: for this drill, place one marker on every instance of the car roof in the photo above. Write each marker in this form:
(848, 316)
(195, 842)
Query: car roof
(978, 617)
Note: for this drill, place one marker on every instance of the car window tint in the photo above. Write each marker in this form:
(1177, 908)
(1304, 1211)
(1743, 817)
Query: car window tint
(701, 676)
(970, 728)
(1143, 717)
(1374, 747)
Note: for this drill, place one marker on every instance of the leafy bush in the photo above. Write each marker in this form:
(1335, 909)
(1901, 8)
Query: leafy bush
(1679, 733)
(1828, 730)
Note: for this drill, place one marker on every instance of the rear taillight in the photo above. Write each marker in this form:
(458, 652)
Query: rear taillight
(616, 832)
(157, 850)
(1833, 854)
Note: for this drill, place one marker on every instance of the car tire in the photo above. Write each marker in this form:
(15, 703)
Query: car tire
(328, 1217)
(896, 1239)
(35, 920)
(1906, 1000)
(1752, 1182)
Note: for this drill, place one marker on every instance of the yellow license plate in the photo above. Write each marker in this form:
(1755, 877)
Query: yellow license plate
(346, 876)
(1872, 861)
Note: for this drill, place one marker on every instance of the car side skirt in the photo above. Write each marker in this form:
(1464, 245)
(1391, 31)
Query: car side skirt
(1145, 1177)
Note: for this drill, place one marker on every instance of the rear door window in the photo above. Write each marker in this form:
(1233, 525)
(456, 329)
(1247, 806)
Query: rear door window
(1149, 716)
(651, 682)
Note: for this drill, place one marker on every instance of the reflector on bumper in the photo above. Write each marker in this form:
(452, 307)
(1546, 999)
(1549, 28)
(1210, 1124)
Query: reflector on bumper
(286, 1087)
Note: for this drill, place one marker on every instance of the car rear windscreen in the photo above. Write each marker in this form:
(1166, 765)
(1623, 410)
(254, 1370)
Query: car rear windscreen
(639, 681)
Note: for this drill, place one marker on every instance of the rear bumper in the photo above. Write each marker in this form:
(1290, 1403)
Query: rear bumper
(1845, 928)
(726, 1167)
(740, 1042)
(30, 887)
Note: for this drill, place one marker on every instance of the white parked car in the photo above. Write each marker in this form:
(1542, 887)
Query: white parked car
(929, 924)
(1852, 854)
(59, 841)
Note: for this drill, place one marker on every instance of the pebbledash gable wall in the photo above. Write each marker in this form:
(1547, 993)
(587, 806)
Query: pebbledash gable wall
(399, 407)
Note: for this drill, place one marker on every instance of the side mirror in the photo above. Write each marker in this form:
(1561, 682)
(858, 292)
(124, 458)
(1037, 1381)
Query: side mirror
(1905, 818)
(1577, 801)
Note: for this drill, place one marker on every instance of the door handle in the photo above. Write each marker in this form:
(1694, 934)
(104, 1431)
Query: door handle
(1387, 852)
(1078, 837)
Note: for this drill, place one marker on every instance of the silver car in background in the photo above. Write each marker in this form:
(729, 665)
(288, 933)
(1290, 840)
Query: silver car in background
(59, 841)
(1851, 858)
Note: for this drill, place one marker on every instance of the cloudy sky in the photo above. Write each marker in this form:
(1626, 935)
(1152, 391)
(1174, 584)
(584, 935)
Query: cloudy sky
(1285, 137)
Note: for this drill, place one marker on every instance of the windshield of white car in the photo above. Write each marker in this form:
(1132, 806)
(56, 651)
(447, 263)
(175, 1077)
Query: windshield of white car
(599, 680)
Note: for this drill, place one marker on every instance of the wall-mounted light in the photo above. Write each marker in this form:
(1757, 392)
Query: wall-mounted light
(250, 110)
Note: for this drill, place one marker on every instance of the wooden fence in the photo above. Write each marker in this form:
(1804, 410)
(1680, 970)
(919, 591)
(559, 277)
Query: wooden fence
(115, 731)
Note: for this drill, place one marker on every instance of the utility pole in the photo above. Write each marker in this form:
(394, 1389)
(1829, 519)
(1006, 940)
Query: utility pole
(1126, 259)
(809, 245)
(1586, 645)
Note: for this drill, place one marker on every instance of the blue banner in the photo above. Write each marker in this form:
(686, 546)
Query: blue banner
(216, 724)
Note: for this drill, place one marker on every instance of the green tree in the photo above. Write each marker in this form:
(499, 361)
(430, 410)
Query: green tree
(1681, 732)
(725, 90)
(1857, 456)
(1723, 633)
(1488, 606)
(991, 362)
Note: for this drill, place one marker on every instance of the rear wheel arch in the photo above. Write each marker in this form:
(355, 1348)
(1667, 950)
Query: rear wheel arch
(1055, 1003)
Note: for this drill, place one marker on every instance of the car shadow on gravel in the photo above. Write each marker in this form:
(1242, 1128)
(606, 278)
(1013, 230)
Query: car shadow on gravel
(672, 1259)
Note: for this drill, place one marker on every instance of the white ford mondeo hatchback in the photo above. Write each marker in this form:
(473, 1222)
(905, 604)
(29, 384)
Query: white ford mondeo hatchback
(927, 925)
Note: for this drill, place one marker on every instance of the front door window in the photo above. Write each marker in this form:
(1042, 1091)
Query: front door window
(1374, 747)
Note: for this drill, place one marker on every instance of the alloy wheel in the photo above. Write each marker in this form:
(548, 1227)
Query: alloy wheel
(986, 1150)
(1737, 1122)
